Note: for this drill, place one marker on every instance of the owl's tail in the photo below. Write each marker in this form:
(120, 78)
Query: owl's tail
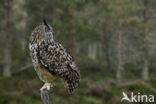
(72, 78)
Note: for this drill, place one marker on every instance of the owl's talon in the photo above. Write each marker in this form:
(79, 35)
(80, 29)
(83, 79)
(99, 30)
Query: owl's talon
(46, 86)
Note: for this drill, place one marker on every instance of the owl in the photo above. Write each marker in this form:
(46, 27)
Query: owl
(50, 59)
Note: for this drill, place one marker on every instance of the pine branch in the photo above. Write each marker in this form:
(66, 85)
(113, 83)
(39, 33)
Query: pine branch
(45, 95)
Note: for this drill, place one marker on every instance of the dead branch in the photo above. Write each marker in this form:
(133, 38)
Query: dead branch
(45, 95)
(23, 68)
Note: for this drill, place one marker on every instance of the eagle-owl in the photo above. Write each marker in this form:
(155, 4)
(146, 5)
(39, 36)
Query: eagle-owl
(51, 60)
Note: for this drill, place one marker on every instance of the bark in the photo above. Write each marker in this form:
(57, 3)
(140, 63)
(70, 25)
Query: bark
(8, 41)
(89, 51)
(106, 51)
(23, 43)
(72, 45)
(100, 49)
(77, 47)
(145, 70)
(72, 40)
(92, 51)
(119, 64)
(24, 37)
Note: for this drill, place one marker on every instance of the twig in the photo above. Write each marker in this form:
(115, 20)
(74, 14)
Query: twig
(23, 68)
(45, 95)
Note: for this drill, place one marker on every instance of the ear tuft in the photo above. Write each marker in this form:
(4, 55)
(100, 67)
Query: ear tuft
(45, 23)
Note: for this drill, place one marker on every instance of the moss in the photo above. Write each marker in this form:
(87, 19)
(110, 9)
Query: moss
(90, 100)
(153, 82)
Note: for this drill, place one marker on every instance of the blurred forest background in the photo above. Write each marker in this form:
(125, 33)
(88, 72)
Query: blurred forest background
(112, 41)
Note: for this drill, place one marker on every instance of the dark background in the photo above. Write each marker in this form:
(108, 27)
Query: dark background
(113, 43)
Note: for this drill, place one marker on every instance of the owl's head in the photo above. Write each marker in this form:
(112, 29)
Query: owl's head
(42, 32)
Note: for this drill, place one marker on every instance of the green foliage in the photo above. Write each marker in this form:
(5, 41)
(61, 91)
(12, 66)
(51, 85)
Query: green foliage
(23, 91)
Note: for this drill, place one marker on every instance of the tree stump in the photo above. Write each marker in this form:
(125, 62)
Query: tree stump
(45, 95)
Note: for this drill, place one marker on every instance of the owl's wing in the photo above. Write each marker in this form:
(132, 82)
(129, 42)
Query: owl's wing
(58, 61)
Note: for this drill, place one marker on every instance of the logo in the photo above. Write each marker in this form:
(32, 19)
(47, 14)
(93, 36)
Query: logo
(137, 98)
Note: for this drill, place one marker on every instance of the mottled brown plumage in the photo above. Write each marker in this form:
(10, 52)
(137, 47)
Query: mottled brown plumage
(50, 59)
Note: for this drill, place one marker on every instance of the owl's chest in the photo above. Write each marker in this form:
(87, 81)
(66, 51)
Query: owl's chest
(34, 58)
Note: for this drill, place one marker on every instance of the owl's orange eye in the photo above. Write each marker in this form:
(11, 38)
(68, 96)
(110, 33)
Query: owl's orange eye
(47, 29)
